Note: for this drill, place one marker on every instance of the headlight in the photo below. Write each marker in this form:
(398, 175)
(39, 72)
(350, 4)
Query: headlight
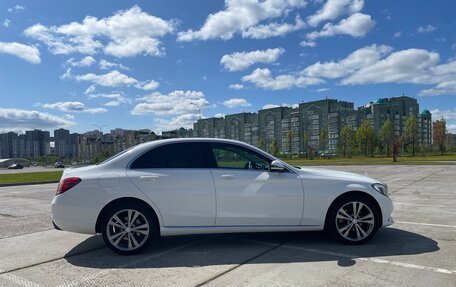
(382, 188)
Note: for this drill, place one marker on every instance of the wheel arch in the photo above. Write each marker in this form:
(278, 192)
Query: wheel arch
(124, 200)
(356, 193)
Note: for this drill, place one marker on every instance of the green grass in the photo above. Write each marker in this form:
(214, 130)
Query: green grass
(30, 177)
(405, 160)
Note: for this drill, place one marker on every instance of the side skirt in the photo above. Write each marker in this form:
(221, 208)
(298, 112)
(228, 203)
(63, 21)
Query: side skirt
(185, 230)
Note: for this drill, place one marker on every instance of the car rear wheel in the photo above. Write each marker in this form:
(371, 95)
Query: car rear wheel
(128, 229)
(353, 220)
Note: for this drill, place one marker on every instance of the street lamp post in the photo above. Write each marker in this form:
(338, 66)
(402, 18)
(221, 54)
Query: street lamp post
(100, 127)
(199, 107)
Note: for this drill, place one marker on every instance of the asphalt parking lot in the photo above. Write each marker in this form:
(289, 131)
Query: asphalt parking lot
(418, 250)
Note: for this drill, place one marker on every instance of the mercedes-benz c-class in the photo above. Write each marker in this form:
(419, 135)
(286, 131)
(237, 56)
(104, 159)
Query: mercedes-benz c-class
(198, 185)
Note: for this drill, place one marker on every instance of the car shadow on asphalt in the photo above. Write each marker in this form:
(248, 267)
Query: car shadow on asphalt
(251, 248)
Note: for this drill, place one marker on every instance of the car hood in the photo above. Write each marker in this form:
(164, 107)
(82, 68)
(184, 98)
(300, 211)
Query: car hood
(329, 174)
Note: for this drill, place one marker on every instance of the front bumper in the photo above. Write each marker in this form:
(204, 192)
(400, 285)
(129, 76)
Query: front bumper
(389, 222)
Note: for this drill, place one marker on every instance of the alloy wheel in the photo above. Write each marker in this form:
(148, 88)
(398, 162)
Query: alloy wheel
(128, 230)
(355, 221)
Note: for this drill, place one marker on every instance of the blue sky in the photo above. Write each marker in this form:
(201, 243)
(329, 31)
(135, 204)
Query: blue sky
(145, 64)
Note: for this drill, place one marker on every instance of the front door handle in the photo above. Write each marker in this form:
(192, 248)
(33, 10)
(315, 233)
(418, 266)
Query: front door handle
(149, 177)
(227, 176)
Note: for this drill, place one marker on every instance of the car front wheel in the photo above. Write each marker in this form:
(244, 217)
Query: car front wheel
(128, 229)
(353, 220)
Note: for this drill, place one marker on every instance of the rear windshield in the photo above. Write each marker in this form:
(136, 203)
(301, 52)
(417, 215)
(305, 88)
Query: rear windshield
(116, 155)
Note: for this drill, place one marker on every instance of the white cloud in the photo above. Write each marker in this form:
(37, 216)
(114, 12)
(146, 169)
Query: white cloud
(322, 90)
(273, 29)
(6, 23)
(90, 90)
(406, 66)
(74, 107)
(360, 58)
(66, 75)
(29, 53)
(84, 62)
(104, 64)
(448, 114)
(147, 85)
(236, 103)
(111, 79)
(397, 34)
(219, 115)
(185, 121)
(451, 128)
(174, 103)
(271, 106)
(238, 16)
(378, 64)
(236, 86)
(125, 34)
(426, 29)
(262, 78)
(242, 60)
(357, 25)
(28, 120)
(442, 88)
(305, 43)
(19, 7)
(115, 99)
(334, 9)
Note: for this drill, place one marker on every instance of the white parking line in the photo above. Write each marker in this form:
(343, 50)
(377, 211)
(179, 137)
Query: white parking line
(17, 280)
(425, 224)
(355, 258)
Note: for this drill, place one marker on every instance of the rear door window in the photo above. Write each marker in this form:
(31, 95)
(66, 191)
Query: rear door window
(175, 155)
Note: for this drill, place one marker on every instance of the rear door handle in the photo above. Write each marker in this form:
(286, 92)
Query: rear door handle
(227, 176)
(149, 177)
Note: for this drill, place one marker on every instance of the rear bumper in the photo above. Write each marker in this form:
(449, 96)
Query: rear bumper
(71, 214)
(55, 225)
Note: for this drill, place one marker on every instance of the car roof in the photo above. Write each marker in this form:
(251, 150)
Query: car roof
(125, 158)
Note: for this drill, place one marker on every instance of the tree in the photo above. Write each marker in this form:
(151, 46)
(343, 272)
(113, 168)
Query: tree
(346, 139)
(274, 148)
(305, 139)
(289, 142)
(365, 137)
(323, 138)
(411, 131)
(261, 144)
(387, 135)
(438, 136)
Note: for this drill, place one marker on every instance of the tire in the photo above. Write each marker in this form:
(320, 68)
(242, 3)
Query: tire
(128, 228)
(353, 220)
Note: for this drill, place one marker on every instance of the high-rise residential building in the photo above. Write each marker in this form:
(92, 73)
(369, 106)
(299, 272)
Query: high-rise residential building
(62, 143)
(37, 143)
(288, 125)
(9, 143)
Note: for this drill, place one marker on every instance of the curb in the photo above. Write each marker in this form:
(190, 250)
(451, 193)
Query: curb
(27, 183)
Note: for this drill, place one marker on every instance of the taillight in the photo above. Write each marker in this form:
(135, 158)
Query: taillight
(66, 184)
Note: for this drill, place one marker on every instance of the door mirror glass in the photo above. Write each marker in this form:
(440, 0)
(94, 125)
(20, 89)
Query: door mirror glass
(277, 166)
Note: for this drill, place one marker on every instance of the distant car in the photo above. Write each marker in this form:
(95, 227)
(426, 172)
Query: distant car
(59, 164)
(192, 186)
(16, 166)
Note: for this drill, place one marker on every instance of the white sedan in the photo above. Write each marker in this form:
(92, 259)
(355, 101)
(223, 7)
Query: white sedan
(194, 186)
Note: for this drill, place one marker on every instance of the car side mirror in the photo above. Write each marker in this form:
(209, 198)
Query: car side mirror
(276, 166)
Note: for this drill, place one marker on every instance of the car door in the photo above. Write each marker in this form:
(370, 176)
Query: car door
(248, 194)
(175, 179)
